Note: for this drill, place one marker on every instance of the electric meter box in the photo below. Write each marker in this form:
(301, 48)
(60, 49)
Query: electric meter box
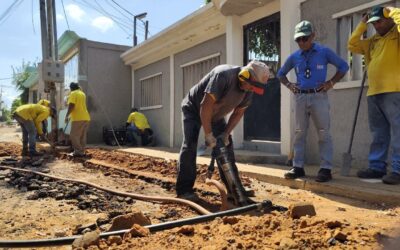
(51, 71)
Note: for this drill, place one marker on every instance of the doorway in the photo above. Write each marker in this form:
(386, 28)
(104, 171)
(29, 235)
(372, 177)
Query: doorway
(262, 120)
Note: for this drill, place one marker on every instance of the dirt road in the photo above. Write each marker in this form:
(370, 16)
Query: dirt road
(35, 208)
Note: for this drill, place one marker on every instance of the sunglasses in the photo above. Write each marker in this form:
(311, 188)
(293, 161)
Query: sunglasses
(256, 87)
(302, 38)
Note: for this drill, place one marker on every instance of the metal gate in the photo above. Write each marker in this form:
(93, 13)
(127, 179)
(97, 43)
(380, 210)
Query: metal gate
(262, 120)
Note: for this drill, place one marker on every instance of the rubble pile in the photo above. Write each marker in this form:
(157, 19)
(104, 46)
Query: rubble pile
(269, 231)
(139, 162)
(84, 197)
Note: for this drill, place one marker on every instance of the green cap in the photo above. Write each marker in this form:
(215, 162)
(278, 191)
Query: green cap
(304, 28)
(376, 14)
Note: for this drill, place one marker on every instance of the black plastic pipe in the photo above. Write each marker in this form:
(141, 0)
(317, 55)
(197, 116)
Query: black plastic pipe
(153, 228)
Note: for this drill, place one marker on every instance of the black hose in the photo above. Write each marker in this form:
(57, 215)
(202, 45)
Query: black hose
(267, 205)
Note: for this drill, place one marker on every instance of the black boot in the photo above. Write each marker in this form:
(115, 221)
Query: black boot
(295, 173)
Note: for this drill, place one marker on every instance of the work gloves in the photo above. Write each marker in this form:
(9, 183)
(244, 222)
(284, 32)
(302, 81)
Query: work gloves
(210, 140)
(225, 138)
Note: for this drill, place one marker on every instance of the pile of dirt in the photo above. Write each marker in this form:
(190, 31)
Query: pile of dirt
(349, 229)
(10, 149)
(137, 162)
(269, 231)
(166, 168)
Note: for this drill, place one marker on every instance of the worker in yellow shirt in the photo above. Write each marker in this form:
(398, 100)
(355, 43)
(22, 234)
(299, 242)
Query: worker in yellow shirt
(30, 118)
(80, 118)
(44, 102)
(382, 56)
(137, 124)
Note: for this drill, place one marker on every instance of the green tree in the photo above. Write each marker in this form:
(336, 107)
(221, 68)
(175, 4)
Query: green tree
(5, 115)
(264, 43)
(20, 75)
(208, 1)
(15, 104)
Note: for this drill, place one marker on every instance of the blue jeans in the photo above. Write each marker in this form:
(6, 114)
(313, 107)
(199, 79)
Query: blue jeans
(384, 124)
(132, 130)
(186, 175)
(29, 135)
(317, 106)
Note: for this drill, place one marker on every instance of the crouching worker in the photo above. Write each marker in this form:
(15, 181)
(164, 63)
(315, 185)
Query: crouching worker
(30, 118)
(138, 126)
(225, 89)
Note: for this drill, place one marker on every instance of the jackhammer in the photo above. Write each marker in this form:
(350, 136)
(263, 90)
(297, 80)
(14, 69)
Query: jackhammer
(229, 174)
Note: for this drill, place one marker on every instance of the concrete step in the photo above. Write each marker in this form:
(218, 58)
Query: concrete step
(271, 147)
(257, 157)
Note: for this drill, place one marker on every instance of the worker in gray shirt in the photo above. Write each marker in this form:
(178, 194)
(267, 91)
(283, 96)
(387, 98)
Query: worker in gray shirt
(225, 89)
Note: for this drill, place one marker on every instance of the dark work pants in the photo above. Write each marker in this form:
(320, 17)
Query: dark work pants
(191, 125)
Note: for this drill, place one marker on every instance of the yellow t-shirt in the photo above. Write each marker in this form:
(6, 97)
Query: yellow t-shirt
(44, 102)
(34, 112)
(382, 55)
(80, 112)
(139, 120)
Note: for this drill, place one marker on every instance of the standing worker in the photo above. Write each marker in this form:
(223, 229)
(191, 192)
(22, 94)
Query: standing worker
(382, 57)
(225, 89)
(310, 63)
(30, 118)
(137, 124)
(80, 118)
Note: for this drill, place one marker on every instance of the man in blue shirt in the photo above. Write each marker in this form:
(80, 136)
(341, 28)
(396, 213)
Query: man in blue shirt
(310, 64)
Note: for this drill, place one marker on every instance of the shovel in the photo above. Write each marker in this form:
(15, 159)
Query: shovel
(347, 158)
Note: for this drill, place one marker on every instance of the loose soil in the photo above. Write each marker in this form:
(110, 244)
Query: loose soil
(34, 207)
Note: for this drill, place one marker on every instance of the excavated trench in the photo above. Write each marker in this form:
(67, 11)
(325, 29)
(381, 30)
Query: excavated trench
(40, 207)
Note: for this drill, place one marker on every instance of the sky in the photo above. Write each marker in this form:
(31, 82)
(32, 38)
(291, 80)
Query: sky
(97, 20)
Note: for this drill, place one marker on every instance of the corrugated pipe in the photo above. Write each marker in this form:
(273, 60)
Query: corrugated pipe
(266, 205)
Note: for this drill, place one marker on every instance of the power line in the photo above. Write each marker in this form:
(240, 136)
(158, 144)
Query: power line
(103, 11)
(126, 10)
(8, 78)
(118, 10)
(66, 19)
(119, 24)
(123, 8)
(7, 12)
(33, 24)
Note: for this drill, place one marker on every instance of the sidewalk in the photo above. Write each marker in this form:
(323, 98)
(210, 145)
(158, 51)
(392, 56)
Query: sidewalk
(351, 187)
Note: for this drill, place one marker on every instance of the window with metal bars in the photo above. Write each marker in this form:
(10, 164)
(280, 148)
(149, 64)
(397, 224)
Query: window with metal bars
(151, 92)
(345, 26)
(194, 71)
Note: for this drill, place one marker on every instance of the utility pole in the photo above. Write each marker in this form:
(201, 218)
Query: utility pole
(1, 98)
(51, 70)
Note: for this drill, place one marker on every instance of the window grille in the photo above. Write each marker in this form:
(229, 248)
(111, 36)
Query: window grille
(195, 71)
(346, 23)
(151, 92)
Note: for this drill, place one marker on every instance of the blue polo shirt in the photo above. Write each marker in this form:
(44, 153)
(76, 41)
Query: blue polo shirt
(316, 59)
